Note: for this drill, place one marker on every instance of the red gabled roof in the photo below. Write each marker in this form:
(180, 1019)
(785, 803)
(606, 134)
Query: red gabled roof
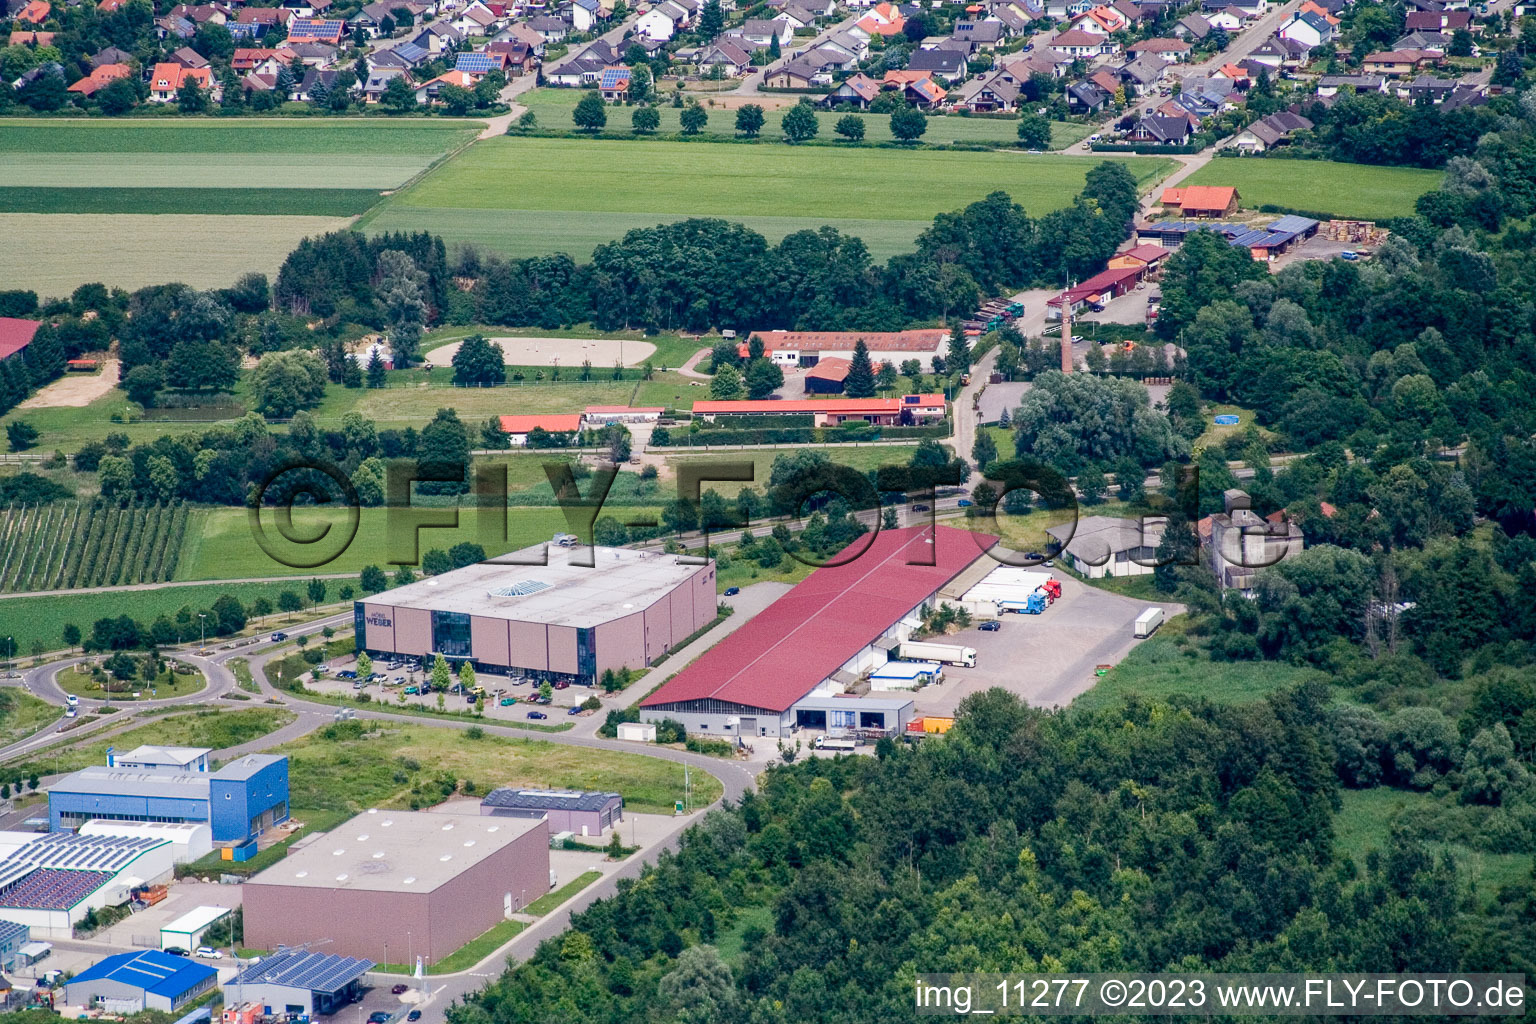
(797, 642)
(1200, 197)
(1098, 283)
(1145, 253)
(555, 423)
(831, 368)
(15, 335)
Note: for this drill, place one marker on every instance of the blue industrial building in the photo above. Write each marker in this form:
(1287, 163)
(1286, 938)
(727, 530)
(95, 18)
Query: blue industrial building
(148, 980)
(239, 801)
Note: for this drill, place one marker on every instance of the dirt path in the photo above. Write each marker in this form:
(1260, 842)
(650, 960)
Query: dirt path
(75, 391)
(566, 351)
(691, 367)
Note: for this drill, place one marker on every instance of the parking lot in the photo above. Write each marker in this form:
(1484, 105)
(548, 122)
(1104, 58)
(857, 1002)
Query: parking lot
(391, 692)
(1047, 659)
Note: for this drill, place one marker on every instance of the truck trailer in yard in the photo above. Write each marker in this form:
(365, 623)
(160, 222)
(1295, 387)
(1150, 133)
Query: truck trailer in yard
(945, 654)
(1147, 622)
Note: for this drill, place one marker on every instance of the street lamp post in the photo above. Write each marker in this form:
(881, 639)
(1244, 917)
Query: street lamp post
(10, 646)
(202, 633)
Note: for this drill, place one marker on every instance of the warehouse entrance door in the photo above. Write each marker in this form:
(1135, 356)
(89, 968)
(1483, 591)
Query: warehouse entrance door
(748, 727)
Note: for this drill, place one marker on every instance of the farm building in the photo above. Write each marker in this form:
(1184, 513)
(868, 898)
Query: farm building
(827, 377)
(550, 612)
(790, 666)
(1101, 287)
(517, 428)
(240, 801)
(15, 335)
(1201, 200)
(1099, 546)
(1148, 257)
(804, 348)
(297, 981)
(52, 882)
(566, 810)
(830, 412)
(387, 885)
(133, 982)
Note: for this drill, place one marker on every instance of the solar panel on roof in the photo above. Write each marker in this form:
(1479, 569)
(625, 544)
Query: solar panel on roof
(476, 63)
(613, 77)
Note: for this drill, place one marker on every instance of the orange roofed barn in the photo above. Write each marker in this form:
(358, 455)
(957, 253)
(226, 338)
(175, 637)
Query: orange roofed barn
(518, 428)
(1201, 200)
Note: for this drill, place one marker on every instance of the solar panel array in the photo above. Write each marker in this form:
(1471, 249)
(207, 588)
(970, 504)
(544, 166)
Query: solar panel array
(52, 889)
(316, 28)
(477, 63)
(614, 78)
(83, 853)
(297, 968)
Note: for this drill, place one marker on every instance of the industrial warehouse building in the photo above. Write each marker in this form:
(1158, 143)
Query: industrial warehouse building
(807, 348)
(187, 931)
(790, 667)
(566, 810)
(584, 611)
(1099, 546)
(52, 881)
(239, 801)
(296, 981)
(130, 983)
(390, 885)
(189, 840)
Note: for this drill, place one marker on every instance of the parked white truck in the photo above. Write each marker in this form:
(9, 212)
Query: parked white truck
(1147, 622)
(945, 654)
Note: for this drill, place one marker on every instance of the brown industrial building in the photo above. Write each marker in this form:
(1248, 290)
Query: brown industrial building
(390, 885)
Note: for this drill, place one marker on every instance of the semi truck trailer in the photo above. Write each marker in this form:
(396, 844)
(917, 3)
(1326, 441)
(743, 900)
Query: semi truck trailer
(945, 654)
(1147, 622)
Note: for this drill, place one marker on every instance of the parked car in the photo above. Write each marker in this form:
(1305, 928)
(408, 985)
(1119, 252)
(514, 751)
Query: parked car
(414, 1015)
(176, 951)
(991, 626)
(410, 691)
(537, 714)
(1349, 256)
(346, 673)
(732, 591)
(964, 503)
(1049, 564)
(278, 638)
(1095, 137)
(920, 508)
(379, 1017)
(209, 953)
(395, 990)
(562, 685)
(575, 710)
(1035, 556)
(1097, 307)
(507, 702)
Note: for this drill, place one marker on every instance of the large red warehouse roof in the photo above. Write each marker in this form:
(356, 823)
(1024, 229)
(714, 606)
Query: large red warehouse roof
(555, 423)
(812, 631)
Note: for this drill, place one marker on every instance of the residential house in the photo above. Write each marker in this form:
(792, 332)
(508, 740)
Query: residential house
(1228, 19)
(1106, 79)
(317, 30)
(1427, 87)
(1155, 129)
(32, 38)
(259, 59)
(762, 32)
(549, 28)
(1395, 63)
(1464, 96)
(1079, 44)
(859, 90)
(1435, 42)
(1330, 85)
(1192, 26)
(174, 28)
(371, 19)
(1169, 51)
(1200, 201)
(110, 55)
(379, 79)
(477, 20)
(189, 58)
(1041, 62)
(797, 17)
(1268, 132)
(1239, 75)
(166, 80)
(438, 37)
(1014, 23)
(1307, 28)
(315, 84)
(950, 65)
(521, 32)
(1100, 21)
(52, 67)
(731, 59)
(1087, 98)
(517, 56)
(915, 87)
(402, 56)
(856, 46)
(262, 18)
(427, 92)
(660, 22)
(583, 15)
(613, 84)
(585, 68)
(1437, 21)
(99, 77)
(1280, 52)
(979, 36)
(798, 74)
(202, 14)
(314, 55)
(480, 63)
(34, 13)
(1142, 75)
(989, 92)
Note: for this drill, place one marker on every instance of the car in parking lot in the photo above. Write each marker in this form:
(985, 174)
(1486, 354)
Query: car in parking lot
(208, 953)
(379, 1017)
(395, 990)
(507, 702)
(414, 1015)
(410, 691)
(1035, 556)
(732, 591)
(175, 951)
(537, 714)
(562, 685)
(346, 673)
(991, 626)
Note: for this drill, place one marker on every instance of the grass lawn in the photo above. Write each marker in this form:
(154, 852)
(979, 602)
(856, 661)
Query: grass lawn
(167, 684)
(22, 714)
(1343, 190)
(1157, 669)
(553, 107)
(345, 770)
(743, 572)
(773, 188)
(550, 900)
(242, 670)
(42, 618)
(220, 544)
(414, 406)
(862, 459)
(216, 729)
(244, 192)
(1026, 531)
(1216, 433)
(467, 955)
(1365, 821)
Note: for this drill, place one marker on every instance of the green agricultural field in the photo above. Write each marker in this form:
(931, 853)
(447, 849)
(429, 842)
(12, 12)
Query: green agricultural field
(1158, 669)
(1342, 190)
(413, 406)
(225, 548)
(86, 200)
(553, 107)
(863, 459)
(22, 714)
(886, 196)
(73, 544)
(40, 619)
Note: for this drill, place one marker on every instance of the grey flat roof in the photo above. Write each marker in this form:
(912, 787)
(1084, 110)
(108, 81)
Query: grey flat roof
(853, 703)
(245, 767)
(549, 799)
(396, 851)
(161, 782)
(1097, 535)
(620, 582)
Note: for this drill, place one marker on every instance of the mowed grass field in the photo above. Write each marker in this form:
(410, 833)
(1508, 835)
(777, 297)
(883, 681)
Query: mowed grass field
(553, 107)
(524, 196)
(140, 202)
(1343, 190)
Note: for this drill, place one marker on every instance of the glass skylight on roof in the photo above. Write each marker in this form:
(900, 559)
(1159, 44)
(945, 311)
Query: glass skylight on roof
(520, 589)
